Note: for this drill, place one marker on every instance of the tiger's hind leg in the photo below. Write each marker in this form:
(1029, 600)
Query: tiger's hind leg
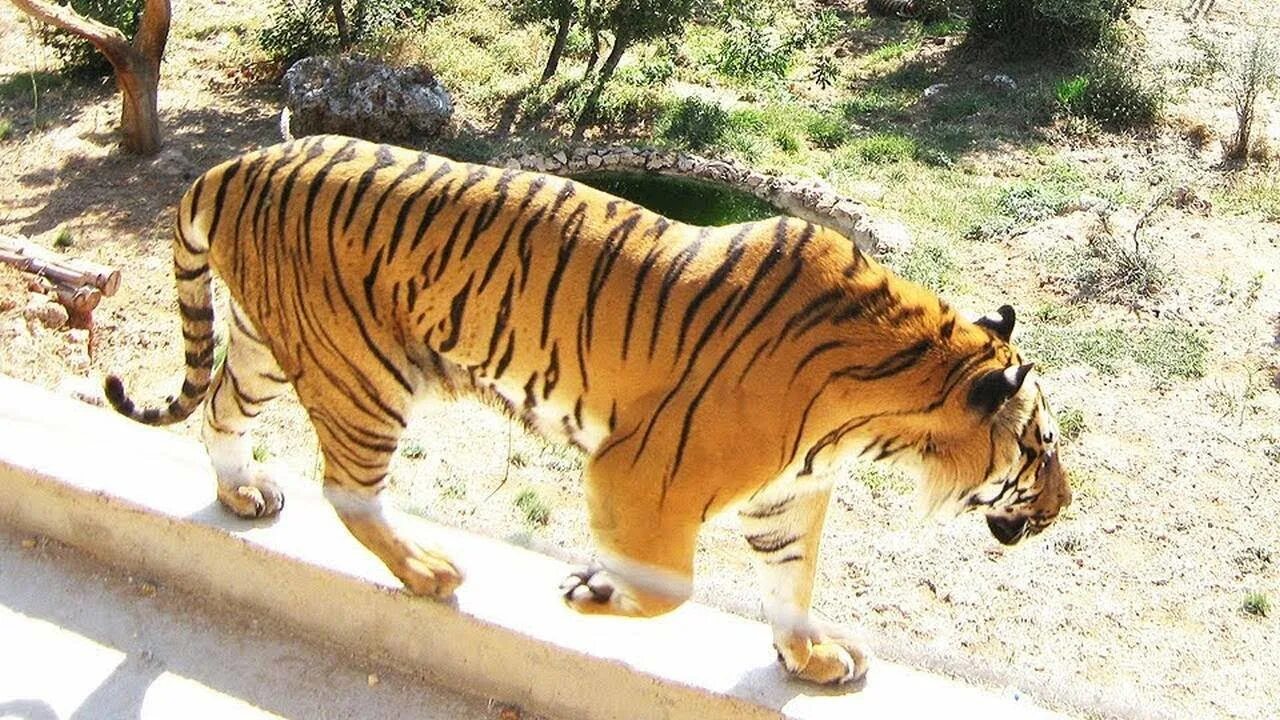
(783, 526)
(250, 378)
(357, 450)
(647, 549)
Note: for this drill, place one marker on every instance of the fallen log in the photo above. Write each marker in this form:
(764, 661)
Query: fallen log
(72, 273)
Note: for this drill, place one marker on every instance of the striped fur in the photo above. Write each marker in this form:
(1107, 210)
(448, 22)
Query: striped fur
(698, 368)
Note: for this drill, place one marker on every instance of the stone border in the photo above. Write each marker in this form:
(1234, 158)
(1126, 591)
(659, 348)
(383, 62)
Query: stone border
(811, 199)
(141, 498)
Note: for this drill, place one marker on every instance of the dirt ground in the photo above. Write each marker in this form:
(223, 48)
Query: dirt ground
(1132, 606)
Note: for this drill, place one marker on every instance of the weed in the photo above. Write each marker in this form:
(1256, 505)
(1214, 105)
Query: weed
(1256, 604)
(828, 130)
(413, 450)
(64, 239)
(535, 510)
(1252, 71)
(1114, 88)
(1072, 423)
(1253, 289)
(260, 452)
(882, 480)
(453, 489)
(6, 129)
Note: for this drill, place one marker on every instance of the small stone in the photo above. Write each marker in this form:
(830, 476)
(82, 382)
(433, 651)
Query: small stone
(29, 543)
(593, 161)
(1001, 81)
(373, 679)
(506, 712)
(561, 158)
(147, 589)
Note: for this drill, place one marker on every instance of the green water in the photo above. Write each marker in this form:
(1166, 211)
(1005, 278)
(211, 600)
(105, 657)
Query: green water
(689, 201)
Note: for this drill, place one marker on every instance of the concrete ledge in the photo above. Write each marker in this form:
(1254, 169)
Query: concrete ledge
(144, 498)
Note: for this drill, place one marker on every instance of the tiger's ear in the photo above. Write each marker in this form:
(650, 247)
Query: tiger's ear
(991, 391)
(999, 322)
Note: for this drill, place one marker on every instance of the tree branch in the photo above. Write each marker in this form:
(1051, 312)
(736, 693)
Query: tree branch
(109, 41)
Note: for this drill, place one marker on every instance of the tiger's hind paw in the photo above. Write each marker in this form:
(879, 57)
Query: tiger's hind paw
(257, 496)
(595, 591)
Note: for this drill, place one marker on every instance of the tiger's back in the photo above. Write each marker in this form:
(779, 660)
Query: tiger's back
(698, 368)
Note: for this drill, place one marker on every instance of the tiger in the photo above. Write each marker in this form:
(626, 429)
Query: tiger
(699, 370)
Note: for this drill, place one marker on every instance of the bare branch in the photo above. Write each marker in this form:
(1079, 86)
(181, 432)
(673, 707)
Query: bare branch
(109, 41)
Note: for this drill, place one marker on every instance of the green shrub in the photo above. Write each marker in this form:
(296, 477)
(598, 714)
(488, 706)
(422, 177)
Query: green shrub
(694, 123)
(1256, 604)
(930, 264)
(298, 29)
(1114, 88)
(76, 53)
(301, 28)
(752, 51)
(1044, 27)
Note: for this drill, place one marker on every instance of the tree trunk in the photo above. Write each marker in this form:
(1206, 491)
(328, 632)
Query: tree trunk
(594, 27)
(557, 48)
(588, 115)
(139, 116)
(136, 64)
(340, 19)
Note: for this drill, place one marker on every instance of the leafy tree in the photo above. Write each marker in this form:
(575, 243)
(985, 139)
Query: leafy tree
(632, 21)
(136, 62)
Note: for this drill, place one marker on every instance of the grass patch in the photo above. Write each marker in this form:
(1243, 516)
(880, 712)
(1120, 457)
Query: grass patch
(1167, 350)
(929, 263)
(876, 101)
(6, 129)
(260, 452)
(1255, 193)
(892, 51)
(1256, 604)
(534, 509)
(881, 148)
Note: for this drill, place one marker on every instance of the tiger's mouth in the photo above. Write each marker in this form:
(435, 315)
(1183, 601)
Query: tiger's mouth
(1008, 529)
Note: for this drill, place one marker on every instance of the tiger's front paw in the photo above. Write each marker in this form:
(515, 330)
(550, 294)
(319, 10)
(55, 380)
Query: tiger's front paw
(256, 496)
(827, 657)
(427, 573)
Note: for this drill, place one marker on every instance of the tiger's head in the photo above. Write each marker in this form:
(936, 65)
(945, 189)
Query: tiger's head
(998, 450)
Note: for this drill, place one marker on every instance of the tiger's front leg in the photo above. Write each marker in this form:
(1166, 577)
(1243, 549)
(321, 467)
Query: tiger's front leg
(783, 526)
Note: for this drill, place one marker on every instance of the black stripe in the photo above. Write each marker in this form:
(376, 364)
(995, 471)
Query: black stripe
(669, 280)
(456, 308)
(569, 234)
(771, 541)
(732, 257)
(773, 509)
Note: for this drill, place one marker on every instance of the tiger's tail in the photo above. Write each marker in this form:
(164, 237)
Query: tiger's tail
(195, 301)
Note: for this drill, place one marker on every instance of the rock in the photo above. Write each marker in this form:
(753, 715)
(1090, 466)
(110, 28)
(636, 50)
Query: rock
(42, 309)
(365, 98)
(172, 163)
(593, 161)
(1000, 81)
(934, 91)
(890, 237)
(82, 389)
